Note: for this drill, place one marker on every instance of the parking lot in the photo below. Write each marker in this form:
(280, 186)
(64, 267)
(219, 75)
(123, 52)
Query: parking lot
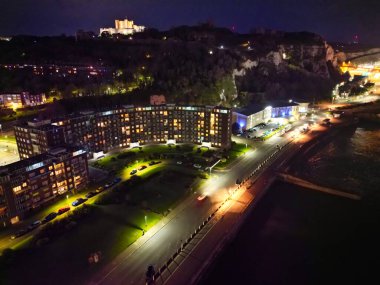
(8, 153)
(260, 131)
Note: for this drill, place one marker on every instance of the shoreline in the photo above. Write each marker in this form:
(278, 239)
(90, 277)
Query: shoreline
(243, 255)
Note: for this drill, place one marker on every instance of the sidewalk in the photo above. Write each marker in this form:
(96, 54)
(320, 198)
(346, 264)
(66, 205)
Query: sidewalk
(192, 263)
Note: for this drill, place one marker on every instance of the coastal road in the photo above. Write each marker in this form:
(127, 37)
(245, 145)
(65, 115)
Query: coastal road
(161, 242)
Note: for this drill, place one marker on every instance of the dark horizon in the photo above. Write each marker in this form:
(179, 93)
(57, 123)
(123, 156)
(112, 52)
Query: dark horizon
(338, 22)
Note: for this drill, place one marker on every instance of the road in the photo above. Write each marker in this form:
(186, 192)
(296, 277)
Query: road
(156, 248)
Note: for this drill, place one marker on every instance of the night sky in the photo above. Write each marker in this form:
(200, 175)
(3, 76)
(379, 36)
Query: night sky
(336, 20)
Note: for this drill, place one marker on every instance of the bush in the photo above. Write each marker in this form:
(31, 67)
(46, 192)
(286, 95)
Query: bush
(208, 153)
(57, 228)
(42, 241)
(126, 155)
(203, 175)
(8, 253)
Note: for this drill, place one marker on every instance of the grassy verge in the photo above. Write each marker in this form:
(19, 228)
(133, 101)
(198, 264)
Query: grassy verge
(271, 134)
(236, 151)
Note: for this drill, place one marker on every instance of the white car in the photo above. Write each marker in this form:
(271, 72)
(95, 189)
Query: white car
(197, 166)
(202, 197)
(179, 162)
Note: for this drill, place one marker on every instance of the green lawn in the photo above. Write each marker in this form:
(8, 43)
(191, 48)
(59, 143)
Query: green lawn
(133, 157)
(236, 151)
(20, 114)
(109, 229)
(162, 191)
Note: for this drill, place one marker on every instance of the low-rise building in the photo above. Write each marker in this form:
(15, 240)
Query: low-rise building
(30, 183)
(157, 100)
(254, 115)
(20, 100)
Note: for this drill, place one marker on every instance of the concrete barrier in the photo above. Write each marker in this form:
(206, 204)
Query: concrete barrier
(162, 269)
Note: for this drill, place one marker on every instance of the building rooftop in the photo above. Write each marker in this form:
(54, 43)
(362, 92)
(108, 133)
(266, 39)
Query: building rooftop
(29, 162)
(37, 161)
(255, 108)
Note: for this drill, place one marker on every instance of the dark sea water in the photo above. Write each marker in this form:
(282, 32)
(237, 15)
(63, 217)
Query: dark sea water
(350, 162)
(300, 236)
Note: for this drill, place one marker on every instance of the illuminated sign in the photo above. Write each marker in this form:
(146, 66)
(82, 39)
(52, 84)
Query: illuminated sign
(34, 166)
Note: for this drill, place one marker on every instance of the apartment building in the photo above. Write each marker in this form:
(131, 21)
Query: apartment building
(20, 100)
(37, 137)
(133, 126)
(30, 183)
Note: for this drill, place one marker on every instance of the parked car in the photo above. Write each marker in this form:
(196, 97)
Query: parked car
(49, 217)
(99, 189)
(34, 225)
(134, 171)
(90, 194)
(179, 162)
(197, 166)
(19, 233)
(63, 210)
(142, 167)
(78, 201)
(238, 181)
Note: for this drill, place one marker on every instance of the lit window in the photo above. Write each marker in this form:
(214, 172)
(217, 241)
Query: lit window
(16, 189)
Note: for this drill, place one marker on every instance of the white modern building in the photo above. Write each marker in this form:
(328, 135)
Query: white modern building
(254, 115)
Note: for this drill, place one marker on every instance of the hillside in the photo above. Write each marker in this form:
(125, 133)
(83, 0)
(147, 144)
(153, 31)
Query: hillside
(198, 65)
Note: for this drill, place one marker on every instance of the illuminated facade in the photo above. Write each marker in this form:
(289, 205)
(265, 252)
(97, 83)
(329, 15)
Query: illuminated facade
(30, 183)
(252, 116)
(132, 126)
(38, 137)
(125, 27)
(23, 99)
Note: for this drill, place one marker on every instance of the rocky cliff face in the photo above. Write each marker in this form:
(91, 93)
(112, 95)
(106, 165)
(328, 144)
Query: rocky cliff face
(291, 70)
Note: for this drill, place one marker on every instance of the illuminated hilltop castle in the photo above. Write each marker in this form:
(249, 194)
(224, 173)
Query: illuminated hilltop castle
(125, 27)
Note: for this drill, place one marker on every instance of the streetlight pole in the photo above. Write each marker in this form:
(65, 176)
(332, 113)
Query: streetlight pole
(146, 221)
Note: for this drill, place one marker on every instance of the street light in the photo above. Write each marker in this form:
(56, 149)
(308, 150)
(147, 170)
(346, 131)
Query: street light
(146, 221)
